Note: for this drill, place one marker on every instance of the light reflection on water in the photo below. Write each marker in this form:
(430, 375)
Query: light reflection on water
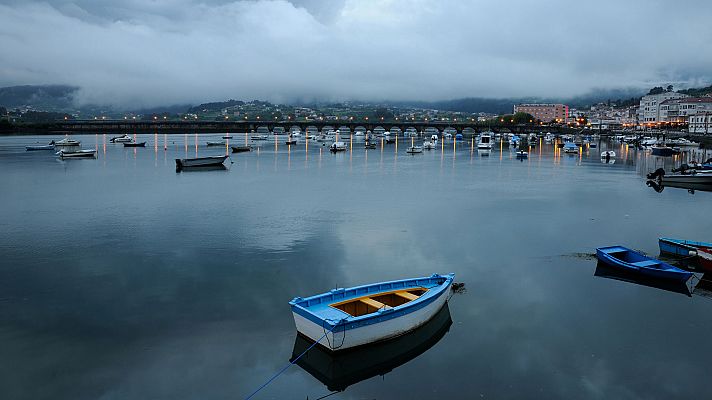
(122, 278)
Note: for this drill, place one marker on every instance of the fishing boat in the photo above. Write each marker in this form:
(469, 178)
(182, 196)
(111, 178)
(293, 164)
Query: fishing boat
(200, 162)
(339, 370)
(213, 144)
(290, 141)
(89, 153)
(608, 154)
(134, 144)
(67, 142)
(428, 145)
(694, 177)
(700, 252)
(414, 149)
(361, 315)
(622, 257)
(121, 139)
(680, 247)
(485, 142)
(521, 154)
(570, 148)
(241, 149)
(40, 147)
(337, 147)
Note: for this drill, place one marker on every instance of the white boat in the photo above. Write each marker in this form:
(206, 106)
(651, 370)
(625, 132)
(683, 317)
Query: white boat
(447, 135)
(67, 142)
(414, 149)
(434, 138)
(428, 145)
(485, 142)
(343, 319)
(121, 139)
(608, 154)
(647, 142)
(200, 161)
(259, 137)
(89, 153)
(337, 146)
(682, 142)
(359, 133)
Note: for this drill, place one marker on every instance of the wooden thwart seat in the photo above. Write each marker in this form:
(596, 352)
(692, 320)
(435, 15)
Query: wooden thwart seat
(373, 303)
(407, 296)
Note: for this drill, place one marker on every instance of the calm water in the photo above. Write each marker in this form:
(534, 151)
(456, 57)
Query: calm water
(121, 278)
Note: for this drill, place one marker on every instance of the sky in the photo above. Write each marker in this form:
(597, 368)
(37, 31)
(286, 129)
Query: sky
(152, 53)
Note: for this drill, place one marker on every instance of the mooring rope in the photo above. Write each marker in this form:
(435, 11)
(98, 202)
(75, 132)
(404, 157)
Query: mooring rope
(264, 385)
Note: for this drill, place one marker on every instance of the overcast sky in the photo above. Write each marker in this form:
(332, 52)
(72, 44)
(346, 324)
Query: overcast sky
(148, 52)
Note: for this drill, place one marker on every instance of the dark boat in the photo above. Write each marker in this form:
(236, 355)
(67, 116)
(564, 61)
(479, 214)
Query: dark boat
(142, 144)
(241, 149)
(291, 142)
(200, 162)
(227, 137)
(342, 369)
(686, 288)
(40, 147)
(629, 260)
(662, 151)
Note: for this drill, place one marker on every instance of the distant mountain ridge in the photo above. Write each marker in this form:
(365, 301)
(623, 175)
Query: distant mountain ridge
(44, 97)
(60, 98)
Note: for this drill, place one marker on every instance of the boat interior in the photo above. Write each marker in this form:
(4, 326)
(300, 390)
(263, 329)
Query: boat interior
(636, 259)
(374, 302)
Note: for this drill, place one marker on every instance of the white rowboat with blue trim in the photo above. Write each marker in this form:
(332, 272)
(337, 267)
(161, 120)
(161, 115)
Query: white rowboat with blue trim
(346, 318)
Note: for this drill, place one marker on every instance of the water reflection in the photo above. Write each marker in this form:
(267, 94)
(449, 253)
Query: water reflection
(686, 288)
(338, 371)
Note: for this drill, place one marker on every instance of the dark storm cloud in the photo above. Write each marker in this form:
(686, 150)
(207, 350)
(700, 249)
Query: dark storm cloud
(176, 51)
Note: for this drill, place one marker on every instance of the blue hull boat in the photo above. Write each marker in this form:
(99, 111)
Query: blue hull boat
(627, 259)
(679, 247)
(347, 318)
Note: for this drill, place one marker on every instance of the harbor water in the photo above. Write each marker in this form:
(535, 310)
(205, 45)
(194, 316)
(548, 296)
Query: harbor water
(121, 278)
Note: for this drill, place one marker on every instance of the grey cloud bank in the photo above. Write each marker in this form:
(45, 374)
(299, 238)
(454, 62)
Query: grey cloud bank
(181, 51)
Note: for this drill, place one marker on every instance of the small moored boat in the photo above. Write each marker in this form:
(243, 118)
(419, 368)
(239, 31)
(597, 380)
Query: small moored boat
(214, 144)
(680, 247)
(67, 142)
(622, 257)
(414, 149)
(121, 139)
(337, 146)
(348, 318)
(132, 144)
(521, 154)
(241, 149)
(200, 162)
(90, 153)
(40, 147)
(570, 148)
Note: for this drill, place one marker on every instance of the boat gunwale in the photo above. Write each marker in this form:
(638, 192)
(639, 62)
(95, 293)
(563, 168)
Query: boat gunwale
(426, 298)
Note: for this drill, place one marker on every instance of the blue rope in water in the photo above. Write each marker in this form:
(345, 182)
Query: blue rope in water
(288, 365)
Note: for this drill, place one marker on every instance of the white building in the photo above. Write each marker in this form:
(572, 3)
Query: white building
(649, 110)
(700, 123)
(678, 110)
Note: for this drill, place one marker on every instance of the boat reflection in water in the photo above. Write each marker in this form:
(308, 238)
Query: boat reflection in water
(691, 187)
(695, 285)
(202, 168)
(342, 369)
